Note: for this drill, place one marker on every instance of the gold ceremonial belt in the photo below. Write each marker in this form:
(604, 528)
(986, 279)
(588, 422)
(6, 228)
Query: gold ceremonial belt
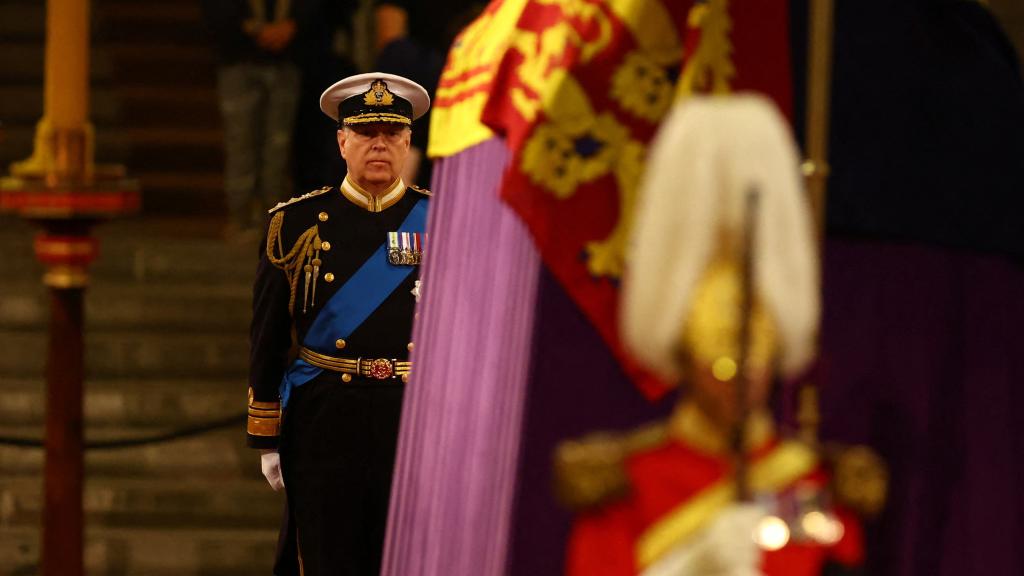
(378, 368)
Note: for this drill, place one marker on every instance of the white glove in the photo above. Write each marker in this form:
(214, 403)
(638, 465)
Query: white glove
(270, 461)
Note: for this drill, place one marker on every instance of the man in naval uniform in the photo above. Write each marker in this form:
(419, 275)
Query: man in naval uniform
(333, 307)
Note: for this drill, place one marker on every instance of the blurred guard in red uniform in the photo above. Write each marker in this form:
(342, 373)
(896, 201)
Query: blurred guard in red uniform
(662, 500)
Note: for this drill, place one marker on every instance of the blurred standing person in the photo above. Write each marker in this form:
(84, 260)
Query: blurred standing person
(324, 55)
(258, 85)
(408, 44)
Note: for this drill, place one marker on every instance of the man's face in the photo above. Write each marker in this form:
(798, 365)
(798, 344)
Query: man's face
(375, 153)
(717, 399)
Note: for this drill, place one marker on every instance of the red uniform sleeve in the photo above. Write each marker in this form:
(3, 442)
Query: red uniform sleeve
(849, 551)
(602, 543)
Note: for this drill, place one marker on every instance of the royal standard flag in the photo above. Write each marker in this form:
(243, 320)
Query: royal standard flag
(578, 95)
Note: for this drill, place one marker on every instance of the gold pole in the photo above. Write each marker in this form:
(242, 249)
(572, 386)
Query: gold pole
(66, 101)
(819, 83)
(56, 189)
(815, 167)
(63, 148)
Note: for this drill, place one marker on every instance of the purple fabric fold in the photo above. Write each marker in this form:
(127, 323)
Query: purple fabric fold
(454, 481)
(576, 387)
(925, 364)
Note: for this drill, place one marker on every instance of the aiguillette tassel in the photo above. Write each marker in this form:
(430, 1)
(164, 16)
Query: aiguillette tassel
(316, 275)
(305, 289)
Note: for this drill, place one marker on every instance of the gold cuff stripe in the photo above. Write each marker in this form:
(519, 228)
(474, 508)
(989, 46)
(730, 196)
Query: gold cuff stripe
(781, 467)
(264, 413)
(263, 426)
(264, 405)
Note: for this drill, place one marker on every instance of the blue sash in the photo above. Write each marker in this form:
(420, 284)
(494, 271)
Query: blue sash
(352, 304)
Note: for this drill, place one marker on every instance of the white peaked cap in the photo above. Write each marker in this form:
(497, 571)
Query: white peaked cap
(355, 85)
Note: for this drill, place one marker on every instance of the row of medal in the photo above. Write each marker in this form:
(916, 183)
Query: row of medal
(405, 248)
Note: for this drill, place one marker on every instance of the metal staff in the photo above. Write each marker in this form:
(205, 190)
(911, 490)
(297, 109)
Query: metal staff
(742, 383)
(815, 167)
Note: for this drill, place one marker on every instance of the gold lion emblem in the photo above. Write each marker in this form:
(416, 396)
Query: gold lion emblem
(378, 94)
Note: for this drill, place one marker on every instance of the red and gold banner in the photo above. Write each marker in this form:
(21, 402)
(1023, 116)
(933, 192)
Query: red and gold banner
(468, 78)
(579, 94)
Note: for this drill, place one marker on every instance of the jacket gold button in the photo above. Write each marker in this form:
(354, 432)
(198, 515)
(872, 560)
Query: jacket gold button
(329, 277)
(322, 216)
(346, 377)
(340, 343)
(409, 346)
(325, 246)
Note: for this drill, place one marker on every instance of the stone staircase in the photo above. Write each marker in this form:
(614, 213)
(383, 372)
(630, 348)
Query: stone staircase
(153, 98)
(167, 313)
(167, 322)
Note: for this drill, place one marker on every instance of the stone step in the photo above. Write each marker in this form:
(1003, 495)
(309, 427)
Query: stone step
(165, 63)
(179, 66)
(24, 303)
(144, 250)
(182, 192)
(150, 12)
(145, 502)
(22, 20)
(115, 408)
(21, 63)
(23, 106)
(166, 21)
(216, 263)
(135, 105)
(179, 170)
(153, 551)
(162, 64)
(156, 353)
(156, 105)
(189, 148)
(218, 455)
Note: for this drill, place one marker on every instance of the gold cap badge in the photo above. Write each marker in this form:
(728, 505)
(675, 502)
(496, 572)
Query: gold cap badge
(378, 94)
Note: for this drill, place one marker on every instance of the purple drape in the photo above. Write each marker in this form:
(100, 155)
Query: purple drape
(576, 387)
(926, 364)
(454, 480)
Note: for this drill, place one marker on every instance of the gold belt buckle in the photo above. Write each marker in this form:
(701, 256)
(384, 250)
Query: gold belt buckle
(381, 369)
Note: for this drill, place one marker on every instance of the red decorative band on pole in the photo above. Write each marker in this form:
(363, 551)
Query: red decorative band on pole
(65, 250)
(66, 203)
(66, 259)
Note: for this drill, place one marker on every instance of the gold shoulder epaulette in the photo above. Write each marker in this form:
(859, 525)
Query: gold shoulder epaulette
(423, 191)
(590, 471)
(298, 199)
(860, 478)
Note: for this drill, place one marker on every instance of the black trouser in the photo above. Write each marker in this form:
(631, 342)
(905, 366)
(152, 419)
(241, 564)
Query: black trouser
(337, 455)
